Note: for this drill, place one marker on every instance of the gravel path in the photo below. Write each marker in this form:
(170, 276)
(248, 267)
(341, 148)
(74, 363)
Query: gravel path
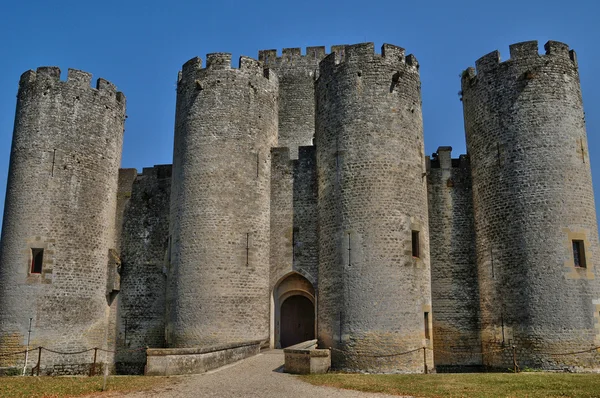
(259, 376)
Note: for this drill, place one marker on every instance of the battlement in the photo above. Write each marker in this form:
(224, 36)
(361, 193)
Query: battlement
(218, 61)
(292, 56)
(222, 61)
(365, 52)
(75, 78)
(442, 159)
(341, 52)
(159, 171)
(526, 50)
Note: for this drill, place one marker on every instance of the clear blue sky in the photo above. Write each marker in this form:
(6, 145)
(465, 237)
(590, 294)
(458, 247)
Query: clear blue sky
(140, 46)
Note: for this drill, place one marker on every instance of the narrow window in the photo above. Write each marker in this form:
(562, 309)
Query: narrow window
(426, 318)
(579, 253)
(415, 243)
(169, 249)
(37, 258)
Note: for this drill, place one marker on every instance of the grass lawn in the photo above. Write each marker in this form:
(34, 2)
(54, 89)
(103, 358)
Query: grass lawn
(51, 387)
(480, 385)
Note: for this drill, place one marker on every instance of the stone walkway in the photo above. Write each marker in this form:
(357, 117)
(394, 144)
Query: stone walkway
(259, 376)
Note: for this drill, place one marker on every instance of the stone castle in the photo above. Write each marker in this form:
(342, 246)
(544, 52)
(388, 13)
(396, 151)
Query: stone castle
(301, 205)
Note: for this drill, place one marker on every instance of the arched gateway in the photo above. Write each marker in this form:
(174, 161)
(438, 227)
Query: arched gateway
(293, 311)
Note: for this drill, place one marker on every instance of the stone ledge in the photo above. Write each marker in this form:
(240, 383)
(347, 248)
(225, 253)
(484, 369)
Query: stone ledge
(305, 358)
(198, 350)
(181, 361)
(309, 352)
(305, 345)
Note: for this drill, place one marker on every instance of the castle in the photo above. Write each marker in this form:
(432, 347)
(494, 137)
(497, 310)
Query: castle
(300, 205)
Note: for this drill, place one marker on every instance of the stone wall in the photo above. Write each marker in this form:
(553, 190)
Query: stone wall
(294, 224)
(186, 361)
(144, 260)
(61, 198)
(226, 125)
(305, 199)
(532, 195)
(282, 215)
(297, 74)
(454, 288)
(373, 292)
(126, 179)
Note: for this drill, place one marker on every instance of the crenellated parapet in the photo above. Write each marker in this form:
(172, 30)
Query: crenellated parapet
(47, 78)
(193, 69)
(159, 171)
(391, 55)
(297, 73)
(292, 57)
(524, 55)
(442, 159)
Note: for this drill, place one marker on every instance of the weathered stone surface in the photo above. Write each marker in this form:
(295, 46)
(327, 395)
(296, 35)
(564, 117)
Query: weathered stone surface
(252, 215)
(372, 194)
(297, 74)
(61, 197)
(294, 232)
(306, 358)
(454, 287)
(144, 259)
(226, 125)
(532, 195)
(181, 361)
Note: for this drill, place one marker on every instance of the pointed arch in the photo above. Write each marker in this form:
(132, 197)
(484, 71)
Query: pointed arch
(293, 286)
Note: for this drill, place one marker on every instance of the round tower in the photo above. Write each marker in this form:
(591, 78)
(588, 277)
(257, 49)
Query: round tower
(57, 258)
(535, 219)
(374, 275)
(225, 126)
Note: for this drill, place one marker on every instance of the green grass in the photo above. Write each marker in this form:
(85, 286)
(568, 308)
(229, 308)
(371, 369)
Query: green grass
(480, 385)
(51, 387)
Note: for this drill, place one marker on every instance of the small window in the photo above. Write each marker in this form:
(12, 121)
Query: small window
(169, 249)
(415, 244)
(579, 253)
(37, 259)
(426, 319)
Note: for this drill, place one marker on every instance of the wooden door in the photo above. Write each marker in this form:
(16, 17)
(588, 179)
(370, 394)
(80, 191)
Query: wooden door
(297, 321)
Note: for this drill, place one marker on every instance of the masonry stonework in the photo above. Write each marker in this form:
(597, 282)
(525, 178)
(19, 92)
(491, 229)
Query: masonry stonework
(145, 226)
(532, 197)
(61, 198)
(226, 125)
(454, 289)
(373, 291)
(297, 74)
(294, 234)
(396, 261)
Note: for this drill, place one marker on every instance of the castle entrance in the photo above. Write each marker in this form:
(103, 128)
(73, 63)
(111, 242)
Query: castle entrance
(292, 311)
(297, 321)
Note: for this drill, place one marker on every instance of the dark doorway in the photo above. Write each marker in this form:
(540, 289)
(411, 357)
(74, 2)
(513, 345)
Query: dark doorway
(297, 321)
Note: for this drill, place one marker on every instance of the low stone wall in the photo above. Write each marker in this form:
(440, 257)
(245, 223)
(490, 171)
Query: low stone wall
(181, 361)
(305, 358)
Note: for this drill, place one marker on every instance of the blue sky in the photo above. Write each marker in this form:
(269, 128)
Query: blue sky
(140, 46)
